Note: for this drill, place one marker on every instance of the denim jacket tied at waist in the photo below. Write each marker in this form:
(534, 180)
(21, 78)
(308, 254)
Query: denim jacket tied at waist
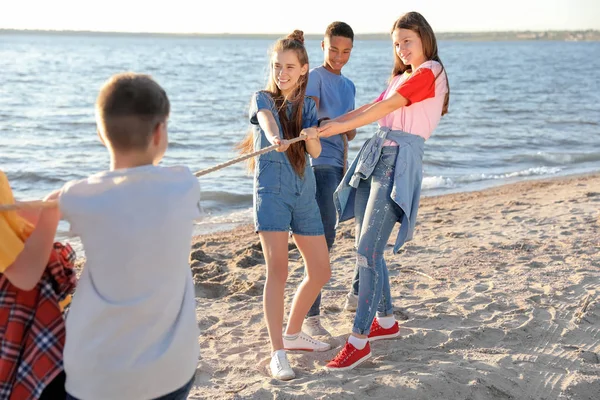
(408, 175)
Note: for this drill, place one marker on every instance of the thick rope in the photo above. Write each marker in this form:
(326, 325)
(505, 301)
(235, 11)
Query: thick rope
(20, 205)
(244, 157)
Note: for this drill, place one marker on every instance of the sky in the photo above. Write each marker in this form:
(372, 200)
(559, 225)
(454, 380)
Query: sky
(311, 16)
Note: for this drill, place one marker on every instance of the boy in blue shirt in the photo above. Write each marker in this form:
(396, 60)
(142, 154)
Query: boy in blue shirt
(334, 95)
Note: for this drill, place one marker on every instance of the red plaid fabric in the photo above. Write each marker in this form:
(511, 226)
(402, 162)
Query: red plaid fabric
(32, 328)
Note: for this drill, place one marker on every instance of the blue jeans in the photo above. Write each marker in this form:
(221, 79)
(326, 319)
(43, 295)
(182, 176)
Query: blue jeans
(376, 214)
(179, 394)
(328, 178)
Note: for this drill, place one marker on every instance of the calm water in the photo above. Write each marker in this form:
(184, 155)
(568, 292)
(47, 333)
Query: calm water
(517, 109)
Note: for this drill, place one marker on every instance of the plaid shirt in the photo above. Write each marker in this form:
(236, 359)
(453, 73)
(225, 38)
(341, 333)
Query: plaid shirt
(32, 328)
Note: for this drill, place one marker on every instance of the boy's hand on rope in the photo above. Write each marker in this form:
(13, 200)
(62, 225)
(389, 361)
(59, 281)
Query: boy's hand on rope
(282, 143)
(53, 196)
(310, 134)
(330, 128)
(51, 213)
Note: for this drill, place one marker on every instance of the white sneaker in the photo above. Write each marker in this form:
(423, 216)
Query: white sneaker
(312, 326)
(303, 342)
(351, 302)
(280, 367)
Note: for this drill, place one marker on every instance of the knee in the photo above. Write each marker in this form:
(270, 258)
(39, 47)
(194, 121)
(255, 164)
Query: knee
(322, 275)
(361, 261)
(277, 275)
(365, 261)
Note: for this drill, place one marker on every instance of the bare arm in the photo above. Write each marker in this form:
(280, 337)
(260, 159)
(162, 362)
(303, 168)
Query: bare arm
(313, 144)
(353, 113)
(267, 122)
(31, 215)
(363, 116)
(351, 134)
(27, 269)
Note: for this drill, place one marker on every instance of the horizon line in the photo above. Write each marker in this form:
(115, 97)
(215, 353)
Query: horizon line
(306, 34)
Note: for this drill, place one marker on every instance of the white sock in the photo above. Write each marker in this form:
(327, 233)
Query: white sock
(386, 322)
(358, 342)
(291, 337)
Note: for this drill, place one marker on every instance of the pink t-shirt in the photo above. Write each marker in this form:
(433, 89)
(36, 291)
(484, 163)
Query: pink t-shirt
(425, 90)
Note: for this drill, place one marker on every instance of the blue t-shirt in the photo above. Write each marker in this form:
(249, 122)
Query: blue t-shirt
(336, 97)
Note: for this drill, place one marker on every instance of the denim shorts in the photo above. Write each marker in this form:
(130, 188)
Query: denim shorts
(285, 202)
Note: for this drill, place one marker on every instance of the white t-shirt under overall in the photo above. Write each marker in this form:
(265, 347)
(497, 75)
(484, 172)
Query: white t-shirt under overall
(131, 329)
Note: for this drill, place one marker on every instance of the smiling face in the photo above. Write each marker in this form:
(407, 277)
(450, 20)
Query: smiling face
(337, 52)
(287, 71)
(408, 47)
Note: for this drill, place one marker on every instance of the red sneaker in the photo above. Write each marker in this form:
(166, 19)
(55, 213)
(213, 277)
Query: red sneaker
(379, 333)
(349, 357)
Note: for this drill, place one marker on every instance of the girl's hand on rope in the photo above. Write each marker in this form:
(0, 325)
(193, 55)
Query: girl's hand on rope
(310, 134)
(283, 144)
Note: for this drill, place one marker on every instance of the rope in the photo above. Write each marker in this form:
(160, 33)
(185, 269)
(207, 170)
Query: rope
(20, 205)
(243, 157)
(26, 205)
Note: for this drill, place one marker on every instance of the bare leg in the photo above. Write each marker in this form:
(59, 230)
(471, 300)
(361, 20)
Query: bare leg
(275, 250)
(316, 258)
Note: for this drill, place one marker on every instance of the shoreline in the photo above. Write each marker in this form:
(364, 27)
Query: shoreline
(424, 198)
(497, 296)
(62, 236)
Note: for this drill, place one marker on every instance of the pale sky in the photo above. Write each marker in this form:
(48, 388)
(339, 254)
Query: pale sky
(312, 16)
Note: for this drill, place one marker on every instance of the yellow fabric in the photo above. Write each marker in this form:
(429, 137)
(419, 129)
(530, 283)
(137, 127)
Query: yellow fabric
(64, 303)
(14, 230)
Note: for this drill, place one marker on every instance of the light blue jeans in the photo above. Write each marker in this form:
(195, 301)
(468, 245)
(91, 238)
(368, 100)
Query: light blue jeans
(376, 214)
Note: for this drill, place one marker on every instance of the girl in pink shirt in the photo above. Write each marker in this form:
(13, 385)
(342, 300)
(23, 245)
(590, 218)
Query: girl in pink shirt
(383, 184)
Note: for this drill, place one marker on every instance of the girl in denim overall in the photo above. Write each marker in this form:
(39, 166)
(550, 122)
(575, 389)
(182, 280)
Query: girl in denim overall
(284, 197)
(383, 184)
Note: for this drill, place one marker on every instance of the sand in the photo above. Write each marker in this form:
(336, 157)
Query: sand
(498, 297)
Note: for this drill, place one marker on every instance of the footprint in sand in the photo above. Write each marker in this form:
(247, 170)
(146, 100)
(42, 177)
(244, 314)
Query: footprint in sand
(202, 271)
(589, 357)
(206, 322)
(201, 256)
(483, 287)
(210, 290)
(536, 264)
(436, 300)
(457, 235)
(203, 374)
(248, 257)
(332, 309)
(401, 315)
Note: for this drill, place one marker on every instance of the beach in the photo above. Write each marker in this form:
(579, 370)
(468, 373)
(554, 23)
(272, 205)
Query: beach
(497, 297)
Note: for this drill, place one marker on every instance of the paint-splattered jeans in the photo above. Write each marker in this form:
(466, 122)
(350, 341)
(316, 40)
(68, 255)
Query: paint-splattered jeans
(376, 214)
